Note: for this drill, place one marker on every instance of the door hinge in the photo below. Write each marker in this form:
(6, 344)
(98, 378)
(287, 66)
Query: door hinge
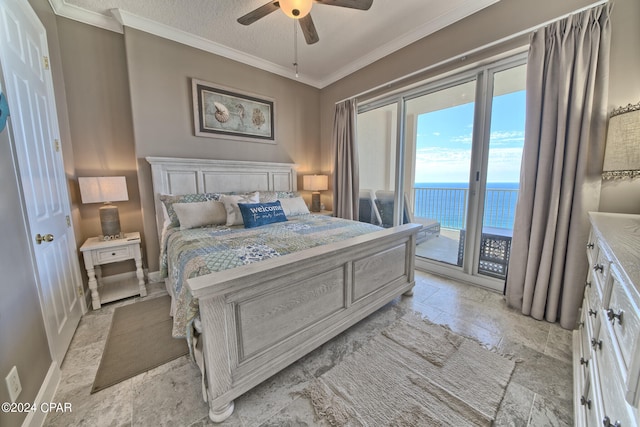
(45, 60)
(80, 291)
(56, 143)
(68, 221)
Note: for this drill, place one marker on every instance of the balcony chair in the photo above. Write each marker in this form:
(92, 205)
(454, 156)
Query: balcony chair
(385, 202)
(368, 211)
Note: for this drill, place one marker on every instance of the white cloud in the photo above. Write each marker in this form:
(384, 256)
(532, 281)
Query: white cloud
(452, 165)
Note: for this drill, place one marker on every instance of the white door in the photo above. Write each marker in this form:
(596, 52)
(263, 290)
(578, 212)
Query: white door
(33, 122)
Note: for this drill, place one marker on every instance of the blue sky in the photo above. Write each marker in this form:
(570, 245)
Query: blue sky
(443, 151)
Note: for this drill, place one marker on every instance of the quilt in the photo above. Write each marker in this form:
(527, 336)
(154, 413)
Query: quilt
(200, 251)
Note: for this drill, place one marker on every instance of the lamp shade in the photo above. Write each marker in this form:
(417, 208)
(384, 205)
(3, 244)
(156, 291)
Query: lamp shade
(315, 182)
(103, 189)
(296, 9)
(622, 153)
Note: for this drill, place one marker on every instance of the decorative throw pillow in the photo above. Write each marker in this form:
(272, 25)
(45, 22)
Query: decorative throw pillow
(272, 196)
(168, 200)
(197, 214)
(257, 214)
(234, 217)
(294, 206)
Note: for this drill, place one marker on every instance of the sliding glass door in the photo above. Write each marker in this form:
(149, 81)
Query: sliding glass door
(456, 158)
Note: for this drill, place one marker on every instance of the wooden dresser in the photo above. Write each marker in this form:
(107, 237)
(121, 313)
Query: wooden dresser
(606, 344)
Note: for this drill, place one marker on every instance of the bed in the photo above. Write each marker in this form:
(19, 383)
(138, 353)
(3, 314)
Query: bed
(257, 318)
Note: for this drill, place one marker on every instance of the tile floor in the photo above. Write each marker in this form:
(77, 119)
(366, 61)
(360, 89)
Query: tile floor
(539, 394)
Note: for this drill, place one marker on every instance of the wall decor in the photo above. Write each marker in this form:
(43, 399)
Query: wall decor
(4, 111)
(221, 112)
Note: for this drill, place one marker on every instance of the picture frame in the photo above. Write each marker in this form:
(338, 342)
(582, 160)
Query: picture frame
(222, 112)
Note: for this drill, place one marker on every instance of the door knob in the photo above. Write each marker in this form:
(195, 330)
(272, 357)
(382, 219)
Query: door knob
(45, 238)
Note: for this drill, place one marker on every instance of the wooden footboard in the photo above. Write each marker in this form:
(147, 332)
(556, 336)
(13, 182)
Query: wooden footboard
(259, 318)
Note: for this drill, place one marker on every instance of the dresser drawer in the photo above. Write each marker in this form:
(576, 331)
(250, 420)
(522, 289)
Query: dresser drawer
(622, 314)
(593, 295)
(107, 255)
(614, 405)
(600, 268)
(582, 344)
(592, 247)
(586, 405)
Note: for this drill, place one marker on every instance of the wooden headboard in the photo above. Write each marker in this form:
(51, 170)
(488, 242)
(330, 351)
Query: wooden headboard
(185, 176)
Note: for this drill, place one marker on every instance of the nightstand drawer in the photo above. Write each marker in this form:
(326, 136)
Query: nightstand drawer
(107, 255)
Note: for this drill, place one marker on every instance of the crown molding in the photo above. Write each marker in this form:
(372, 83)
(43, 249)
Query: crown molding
(127, 19)
(435, 24)
(121, 18)
(62, 8)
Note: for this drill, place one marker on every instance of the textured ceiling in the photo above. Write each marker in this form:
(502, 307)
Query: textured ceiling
(349, 39)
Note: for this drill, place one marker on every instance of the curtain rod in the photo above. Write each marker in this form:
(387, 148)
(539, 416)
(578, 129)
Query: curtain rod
(461, 56)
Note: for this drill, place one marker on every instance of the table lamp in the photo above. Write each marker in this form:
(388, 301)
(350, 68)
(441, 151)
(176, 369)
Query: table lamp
(315, 184)
(622, 152)
(105, 189)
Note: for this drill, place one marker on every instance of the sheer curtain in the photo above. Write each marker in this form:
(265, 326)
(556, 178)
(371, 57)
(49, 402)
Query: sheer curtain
(345, 167)
(567, 79)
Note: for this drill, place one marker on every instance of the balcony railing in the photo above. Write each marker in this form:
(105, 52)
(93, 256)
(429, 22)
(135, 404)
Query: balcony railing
(449, 206)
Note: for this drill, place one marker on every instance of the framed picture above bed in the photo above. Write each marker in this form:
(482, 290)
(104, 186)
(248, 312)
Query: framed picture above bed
(221, 112)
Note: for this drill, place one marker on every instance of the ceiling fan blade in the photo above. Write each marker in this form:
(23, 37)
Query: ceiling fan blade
(258, 13)
(353, 4)
(309, 29)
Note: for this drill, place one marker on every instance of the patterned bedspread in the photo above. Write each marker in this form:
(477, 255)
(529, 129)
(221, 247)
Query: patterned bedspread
(199, 251)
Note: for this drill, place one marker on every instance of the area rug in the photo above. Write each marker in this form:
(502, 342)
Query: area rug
(139, 340)
(415, 373)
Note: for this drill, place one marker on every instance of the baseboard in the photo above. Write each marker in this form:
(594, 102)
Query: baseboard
(44, 397)
(154, 277)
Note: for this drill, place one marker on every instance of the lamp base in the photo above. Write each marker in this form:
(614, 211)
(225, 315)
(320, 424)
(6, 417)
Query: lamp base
(110, 222)
(315, 202)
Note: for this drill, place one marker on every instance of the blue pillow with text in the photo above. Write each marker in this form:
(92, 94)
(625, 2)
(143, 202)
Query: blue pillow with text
(257, 214)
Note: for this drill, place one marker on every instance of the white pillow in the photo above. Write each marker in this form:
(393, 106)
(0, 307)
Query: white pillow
(294, 206)
(234, 216)
(197, 214)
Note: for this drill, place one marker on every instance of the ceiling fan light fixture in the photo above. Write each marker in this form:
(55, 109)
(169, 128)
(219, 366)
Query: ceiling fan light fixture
(296, 9)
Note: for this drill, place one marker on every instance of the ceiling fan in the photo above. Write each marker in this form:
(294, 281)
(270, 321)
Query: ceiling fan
(299, 9)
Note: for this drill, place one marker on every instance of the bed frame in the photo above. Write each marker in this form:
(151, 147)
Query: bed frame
(259, 318)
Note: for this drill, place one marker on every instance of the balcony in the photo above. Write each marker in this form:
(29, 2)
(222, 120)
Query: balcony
(449, 206)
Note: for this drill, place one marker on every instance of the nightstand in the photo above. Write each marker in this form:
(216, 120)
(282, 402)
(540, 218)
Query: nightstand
(323, 212)
(98, 252)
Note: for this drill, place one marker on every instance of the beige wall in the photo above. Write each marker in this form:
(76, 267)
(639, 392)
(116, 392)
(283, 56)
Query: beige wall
(488, 26)
(159, 73)
(624, 89)
(99, 109)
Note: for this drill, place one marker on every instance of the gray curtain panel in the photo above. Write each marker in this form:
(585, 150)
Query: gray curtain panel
(567, 80)
(345, 168)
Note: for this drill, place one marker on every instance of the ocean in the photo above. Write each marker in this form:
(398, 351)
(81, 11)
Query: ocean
(447, 202)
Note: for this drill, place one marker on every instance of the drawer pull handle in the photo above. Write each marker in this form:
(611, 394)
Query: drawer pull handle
(593, 312)
(587, 284)
(613, 316)
(595, 343)
(598, 267)
(590, 245)
(113, 254)
(584, 362)
(606, 422)
(585, 402)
